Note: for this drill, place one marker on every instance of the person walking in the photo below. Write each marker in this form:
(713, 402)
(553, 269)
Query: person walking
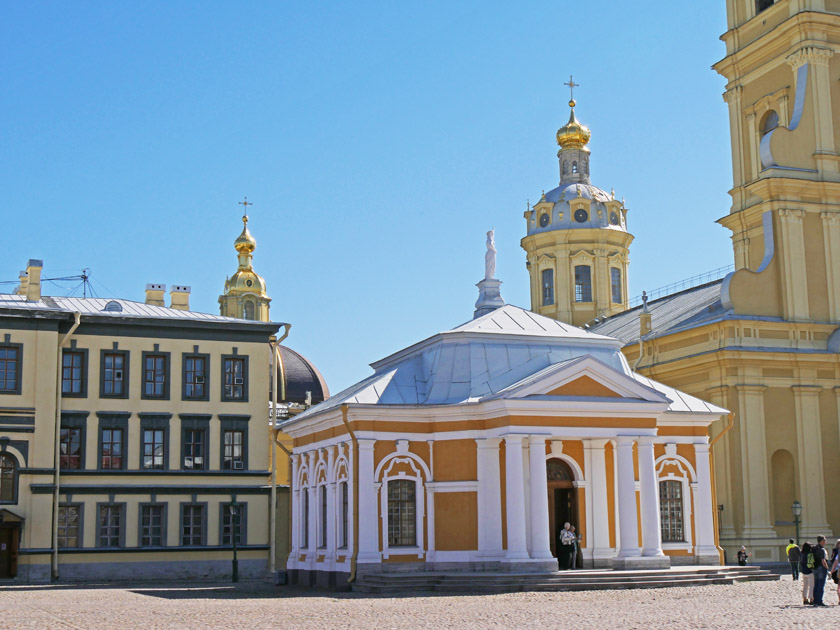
(743, 554)
(806, 567)
(835, 565)
(794, 555)
(820, 570)
(567, 547)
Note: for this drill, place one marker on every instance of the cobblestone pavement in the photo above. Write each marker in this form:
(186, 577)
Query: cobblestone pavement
(256, 605)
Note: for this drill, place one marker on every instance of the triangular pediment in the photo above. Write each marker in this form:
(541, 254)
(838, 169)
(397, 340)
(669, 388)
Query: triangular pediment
(583, 377)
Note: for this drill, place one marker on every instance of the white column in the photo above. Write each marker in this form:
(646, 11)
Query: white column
(649, 490)
(489, 498)
(331, 511)
(703, 507)
(313, 509)
(295, 508)
(629, 531)
(598, 536)
(540, 542)
(368, 511)
(515, 499)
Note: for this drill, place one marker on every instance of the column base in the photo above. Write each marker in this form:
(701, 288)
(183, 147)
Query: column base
(631, 563)
(529, 566)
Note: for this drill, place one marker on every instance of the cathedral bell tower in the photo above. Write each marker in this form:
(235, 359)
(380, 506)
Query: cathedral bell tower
(577, 242)
(245, 296)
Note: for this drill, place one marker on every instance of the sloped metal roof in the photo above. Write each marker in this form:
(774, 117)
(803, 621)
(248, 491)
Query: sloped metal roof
(670, 313)
(96, 306)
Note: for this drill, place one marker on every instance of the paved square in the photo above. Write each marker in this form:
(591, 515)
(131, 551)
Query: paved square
(258, 605)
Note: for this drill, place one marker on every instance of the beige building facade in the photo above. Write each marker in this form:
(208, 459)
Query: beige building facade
(133, 438)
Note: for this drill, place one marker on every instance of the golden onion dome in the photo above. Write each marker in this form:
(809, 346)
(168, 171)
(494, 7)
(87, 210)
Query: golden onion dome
(245, 242)
(573, 135)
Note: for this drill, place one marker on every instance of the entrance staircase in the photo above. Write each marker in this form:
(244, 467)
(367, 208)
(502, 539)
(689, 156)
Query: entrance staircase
(404, 582)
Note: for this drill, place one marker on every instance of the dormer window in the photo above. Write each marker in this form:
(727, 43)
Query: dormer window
(769, 122)
(762, 5)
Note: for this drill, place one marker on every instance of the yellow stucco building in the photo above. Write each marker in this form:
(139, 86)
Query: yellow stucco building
(133, 439)
(763, 341)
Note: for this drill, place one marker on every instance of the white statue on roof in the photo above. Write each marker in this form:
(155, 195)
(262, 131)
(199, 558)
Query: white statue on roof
(490, 256)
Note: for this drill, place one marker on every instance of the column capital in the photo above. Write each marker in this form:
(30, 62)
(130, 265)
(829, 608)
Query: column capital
(806, 390)
(488, 442)
(831, 218)
(792, 214)
(646, 440)
(701, 447)
(750, 388)
(733, 94)
(594, 443)
(366, 444)
(513, 438)
(809, 54)
(750, 117)
(625, 440)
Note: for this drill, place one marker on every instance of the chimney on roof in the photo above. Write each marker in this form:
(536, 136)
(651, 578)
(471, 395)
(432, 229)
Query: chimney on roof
(154, 294)
(24, 281)
(179, 297)
(644, 317)
(33, 279)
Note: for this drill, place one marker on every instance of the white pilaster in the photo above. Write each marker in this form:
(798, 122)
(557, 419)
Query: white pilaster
(628, 532)
(649, 499)
(540, 540)
(810, 461)
(598, 535)
(703, 515)
(312, 490)
(515, 499)
(489, 498)
(295, 507)
(368, 511)
(331, 542)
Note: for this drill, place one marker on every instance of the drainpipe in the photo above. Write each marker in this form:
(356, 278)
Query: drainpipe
(57, 458)
(354, 557)
(715, 512)
(272, 516)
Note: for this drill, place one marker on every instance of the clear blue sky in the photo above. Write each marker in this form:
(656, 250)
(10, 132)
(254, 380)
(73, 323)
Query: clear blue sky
(377, 140)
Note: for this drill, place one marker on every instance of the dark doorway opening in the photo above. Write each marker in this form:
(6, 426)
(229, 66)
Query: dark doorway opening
(562, 505)
(8, 551)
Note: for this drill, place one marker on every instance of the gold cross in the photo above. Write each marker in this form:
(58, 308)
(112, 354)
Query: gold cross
(572, 85)
(246, 203)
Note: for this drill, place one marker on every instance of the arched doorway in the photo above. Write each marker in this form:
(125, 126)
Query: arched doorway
(562, 500)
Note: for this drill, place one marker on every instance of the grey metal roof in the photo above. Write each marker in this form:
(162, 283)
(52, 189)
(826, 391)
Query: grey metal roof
(96, 306)
(685, 309)
(561, 198)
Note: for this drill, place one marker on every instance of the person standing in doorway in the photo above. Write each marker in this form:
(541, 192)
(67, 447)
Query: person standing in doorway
(575, 547)
(820, 570)
(567, 547)
(743, 554)
(806, 566)
(794, 555)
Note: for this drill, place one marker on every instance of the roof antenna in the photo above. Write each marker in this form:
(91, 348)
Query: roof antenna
(86, 282)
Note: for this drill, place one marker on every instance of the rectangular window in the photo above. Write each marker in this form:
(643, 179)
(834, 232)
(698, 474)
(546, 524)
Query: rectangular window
(344, 514)
(112, 449)
(234, 385)
(547, 287)
(10, 369)
(114, 374)
(323, 492)
(402, 511)
(195, 377)
(671, 511)
(195, 449)
(73, 373)
(192, 525)
(155, 376)
(110, 525)
(763, 5)
(615, 285)
(70, 448)
(583, 283)
(233, 456)
(152, 525)
(154, 448)
(233, 520)
(69, 525)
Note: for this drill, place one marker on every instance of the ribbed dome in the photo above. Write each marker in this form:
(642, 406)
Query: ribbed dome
(298, 376)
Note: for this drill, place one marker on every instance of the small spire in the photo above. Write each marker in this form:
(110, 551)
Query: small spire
(644, 302)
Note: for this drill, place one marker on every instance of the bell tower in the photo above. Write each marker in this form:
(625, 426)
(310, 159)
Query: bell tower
(245, 296)
(577, 243)
(782, 91)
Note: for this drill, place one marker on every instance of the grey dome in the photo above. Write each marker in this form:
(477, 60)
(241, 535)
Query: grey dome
(566, 192)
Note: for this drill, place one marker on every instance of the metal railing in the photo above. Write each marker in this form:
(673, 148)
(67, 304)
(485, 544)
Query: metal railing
(682, 285)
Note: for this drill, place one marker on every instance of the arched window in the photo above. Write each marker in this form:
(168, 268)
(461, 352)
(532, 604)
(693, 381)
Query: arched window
(761, 5)
(547, 287)
(249, 310)
(402, 511)
(345, 521)
(565, 167)
(583, 283)
(671, 511)
(558, 470)
(304, 538)
(323, 533)
(615, 285)
(8, 479)
(769, 122)
(574, 167)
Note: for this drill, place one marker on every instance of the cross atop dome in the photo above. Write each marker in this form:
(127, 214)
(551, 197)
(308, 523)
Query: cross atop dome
(572, 85)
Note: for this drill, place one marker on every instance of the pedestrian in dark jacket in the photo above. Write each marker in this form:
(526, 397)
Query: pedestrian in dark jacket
(806, 567)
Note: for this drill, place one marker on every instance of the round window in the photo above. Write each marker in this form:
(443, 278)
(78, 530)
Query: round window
(581, 215)
(543, 220)
(249, 282)
(614, 218)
